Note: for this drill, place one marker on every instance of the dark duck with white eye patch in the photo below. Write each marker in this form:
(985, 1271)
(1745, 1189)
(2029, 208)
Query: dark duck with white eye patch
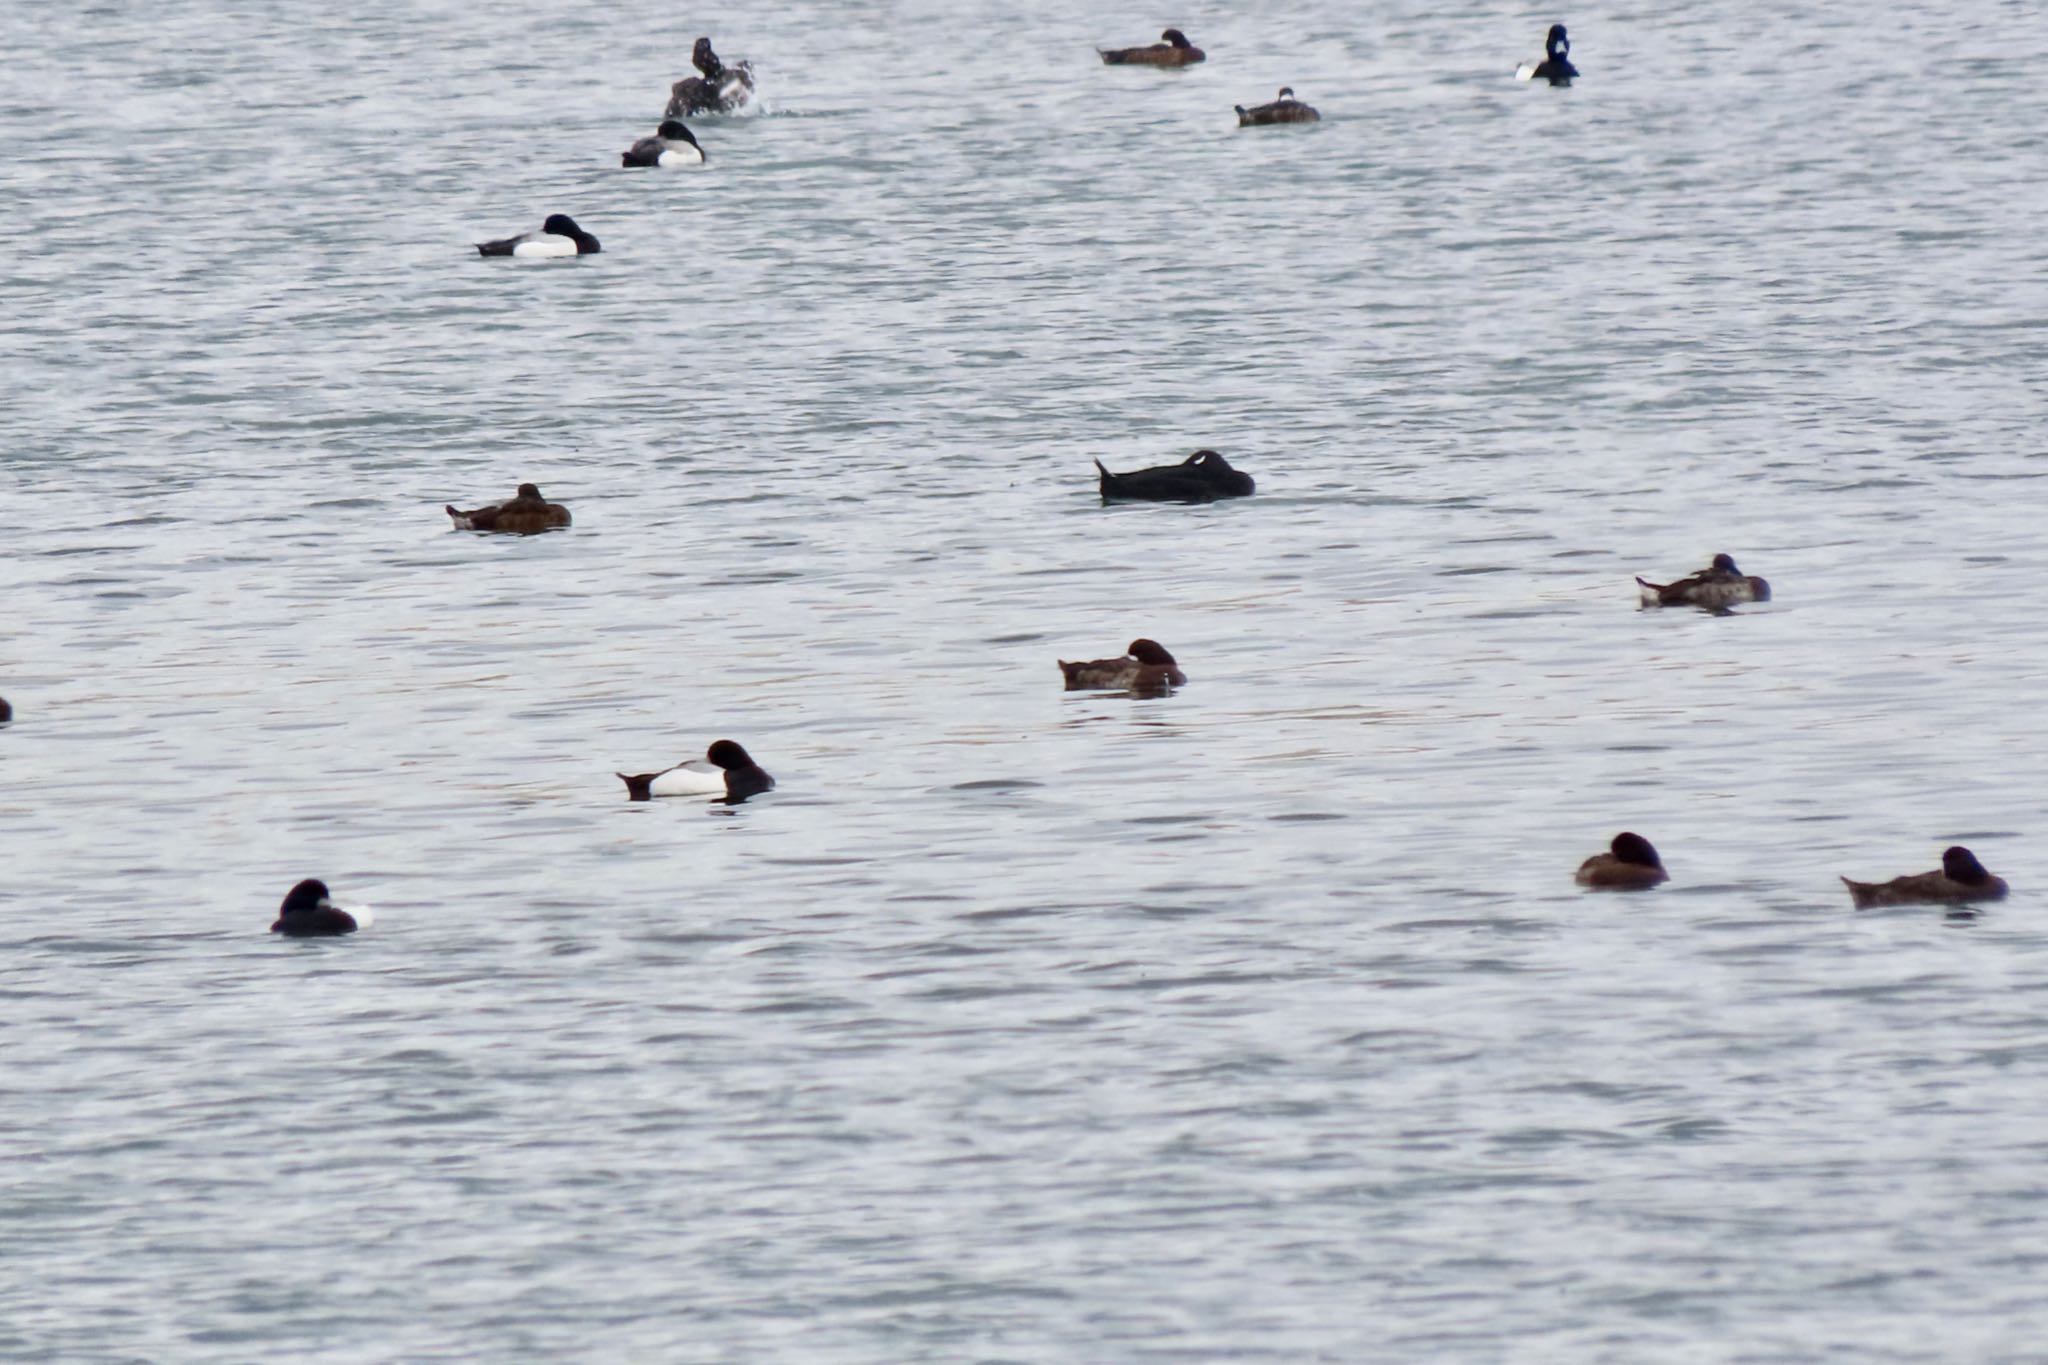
(726, 771)
(1717, 587)
(558, 236)
(720, 89)
(670, 148)
(1203, 476)
(1961, 878)
(1146, 668)
(1556, 66)
(525, 514)
(1173, 49)
(1630, 864)
(1286, 109)
(308, 913)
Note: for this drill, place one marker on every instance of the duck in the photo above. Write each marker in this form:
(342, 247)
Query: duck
(1717, 587)
(1203, 476)
(1146, 668)
(1172, 49)
(726, 771)
(526, 513)
(1630, 864)
(1960, 878)
(671, 147)
(719, 90)
(558, 236)
(1286, 109)
(6, 711)
(308, 913)
(1556, 66)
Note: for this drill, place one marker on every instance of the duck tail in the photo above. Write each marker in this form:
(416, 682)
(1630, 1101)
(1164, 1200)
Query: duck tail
(1862, 893)
(637, 787)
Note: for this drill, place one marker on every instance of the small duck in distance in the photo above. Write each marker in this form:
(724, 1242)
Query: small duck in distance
(526, 513)
(308, 913)
(671, 147)
(726, 772)
(1172, 49)
(1961, 878)
(720, 89)
(1556, 66)
(1630, 864)
(1146, 669)
(1203, 476)
(558, 236)
(1717, 587)
(1286, 109)
(6, 711)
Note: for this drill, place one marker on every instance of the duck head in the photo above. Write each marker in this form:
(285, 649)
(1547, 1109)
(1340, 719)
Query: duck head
(672, 130)
(307, 896)
(1634, 849)
(727, 753)
(1150, 652)
(1557, 43)
(1173, 37)
(706, 61)
(1958, 864)
(1725, 564)
(530, 492)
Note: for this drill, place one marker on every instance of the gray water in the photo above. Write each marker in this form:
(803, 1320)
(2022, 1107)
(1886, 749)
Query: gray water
(1259, 1022)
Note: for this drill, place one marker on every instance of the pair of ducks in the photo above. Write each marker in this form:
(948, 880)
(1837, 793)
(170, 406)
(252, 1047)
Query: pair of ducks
(1632, 864)
(1173, 50)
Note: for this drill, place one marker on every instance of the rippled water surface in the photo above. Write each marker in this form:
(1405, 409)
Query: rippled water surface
(1258, 1022)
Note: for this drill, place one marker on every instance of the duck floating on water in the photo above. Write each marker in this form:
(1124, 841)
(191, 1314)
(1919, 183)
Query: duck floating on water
(1630, 864)
(1717, 587)
(558, 236)
(726, 771)
(1203, 476)
(1556, 66)
(308, 913)
(1286, 109)
(1960, 879)
(1146, 668)
(721, 89)
(1172, 49)
(671, 147)
(526, 513)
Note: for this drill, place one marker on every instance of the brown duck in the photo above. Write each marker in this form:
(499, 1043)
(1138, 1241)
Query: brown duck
(1961, 878)
(524, 515)
(1286, 109)
(1172, 49)
(1717, 587)
(1630, 865)
(1147, 668)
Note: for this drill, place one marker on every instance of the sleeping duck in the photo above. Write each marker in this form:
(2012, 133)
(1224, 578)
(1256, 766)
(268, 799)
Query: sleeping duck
(1960, 878)
(725, 772)
(1629, 865)
(672, 146)
(307, 913)
(1556, 66)
(719, 90)
(526, 513)
(1147, 668)
(1203, 476)
(1717, 587)
(1172, 49)
(558, 236)
(1286, 109)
